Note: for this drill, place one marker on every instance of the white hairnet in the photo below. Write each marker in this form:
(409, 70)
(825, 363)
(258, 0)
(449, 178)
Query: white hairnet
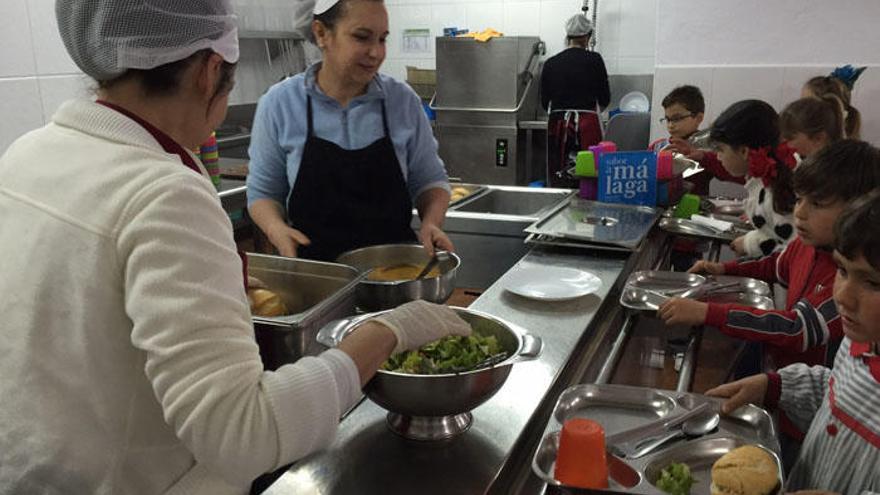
(322, 6)
(578, 25)
(107, 37)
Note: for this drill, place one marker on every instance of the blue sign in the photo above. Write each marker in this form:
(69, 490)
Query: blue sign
(628, 177)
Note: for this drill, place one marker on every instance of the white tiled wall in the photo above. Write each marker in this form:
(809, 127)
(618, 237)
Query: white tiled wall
(625, 28)
(776, 84)
(36, 74)
(20, 107)
(766, 50)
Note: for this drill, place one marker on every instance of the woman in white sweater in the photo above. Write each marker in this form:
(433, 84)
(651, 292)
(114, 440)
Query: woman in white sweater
(127, 356)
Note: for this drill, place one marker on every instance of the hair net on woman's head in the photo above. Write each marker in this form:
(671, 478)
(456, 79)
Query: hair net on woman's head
(322, 6)
(578, 25)
(107, 37)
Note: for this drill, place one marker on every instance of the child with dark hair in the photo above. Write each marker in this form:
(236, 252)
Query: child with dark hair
(837, 407)
(746, 136)
(809, 327)
(683, 110)
(839, 83)
(809, 124)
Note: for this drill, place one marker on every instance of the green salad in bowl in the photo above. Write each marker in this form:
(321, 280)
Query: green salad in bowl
(448, 355)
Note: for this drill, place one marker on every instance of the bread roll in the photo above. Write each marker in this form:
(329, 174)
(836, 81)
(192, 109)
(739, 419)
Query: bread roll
(264, 302)
(746, 470)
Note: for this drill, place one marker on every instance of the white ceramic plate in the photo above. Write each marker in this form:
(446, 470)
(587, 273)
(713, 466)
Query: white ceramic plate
(551, 283)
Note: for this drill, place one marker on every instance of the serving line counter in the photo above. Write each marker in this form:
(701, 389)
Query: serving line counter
(495, 454)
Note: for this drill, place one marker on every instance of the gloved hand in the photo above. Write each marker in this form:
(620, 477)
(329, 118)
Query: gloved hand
(418, 323)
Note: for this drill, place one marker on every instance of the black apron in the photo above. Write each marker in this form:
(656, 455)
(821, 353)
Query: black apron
(347, 199)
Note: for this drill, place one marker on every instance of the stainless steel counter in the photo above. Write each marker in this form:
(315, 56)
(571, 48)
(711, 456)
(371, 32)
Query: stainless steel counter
(367, 458)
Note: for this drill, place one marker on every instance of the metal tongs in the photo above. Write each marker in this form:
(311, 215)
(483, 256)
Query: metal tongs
(486, 363)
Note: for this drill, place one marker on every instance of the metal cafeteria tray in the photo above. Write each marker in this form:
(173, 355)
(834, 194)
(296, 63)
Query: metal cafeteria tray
(745, 285)
(647, 290)
(676, 283)
(648, 300)
(723, 206)
(315, 292)
(689, 228)
(620, 409)
(752, 300)
(666, 282)
(597, 223)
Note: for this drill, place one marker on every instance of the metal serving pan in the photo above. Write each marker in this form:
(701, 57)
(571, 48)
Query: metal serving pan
(596, 224)
(315, 292)
(472, 190)
(621, 409)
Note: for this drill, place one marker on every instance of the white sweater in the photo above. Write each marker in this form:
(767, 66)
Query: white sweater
(772, 230)
(127, 356)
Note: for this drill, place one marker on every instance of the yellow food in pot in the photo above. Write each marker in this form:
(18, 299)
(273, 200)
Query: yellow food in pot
(395, 273)
(264, 302)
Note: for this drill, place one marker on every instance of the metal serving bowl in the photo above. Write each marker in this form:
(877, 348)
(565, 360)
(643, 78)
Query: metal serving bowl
(374, 295)
(434, 407)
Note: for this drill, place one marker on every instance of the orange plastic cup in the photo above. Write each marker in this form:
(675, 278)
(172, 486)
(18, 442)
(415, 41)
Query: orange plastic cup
(581, 460)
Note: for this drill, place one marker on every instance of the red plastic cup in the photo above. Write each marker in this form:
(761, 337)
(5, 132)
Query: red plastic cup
(581, 460)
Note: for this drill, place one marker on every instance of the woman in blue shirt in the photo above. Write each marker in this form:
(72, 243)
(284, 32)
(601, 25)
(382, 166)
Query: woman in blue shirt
(340, 153)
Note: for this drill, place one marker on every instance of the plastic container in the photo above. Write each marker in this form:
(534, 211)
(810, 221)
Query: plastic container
(581, 460)
(689, 205)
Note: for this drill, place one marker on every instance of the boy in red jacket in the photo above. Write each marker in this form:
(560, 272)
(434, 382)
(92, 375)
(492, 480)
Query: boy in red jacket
(808, 329)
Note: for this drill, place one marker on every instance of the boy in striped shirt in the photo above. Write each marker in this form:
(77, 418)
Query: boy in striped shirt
(840, 408)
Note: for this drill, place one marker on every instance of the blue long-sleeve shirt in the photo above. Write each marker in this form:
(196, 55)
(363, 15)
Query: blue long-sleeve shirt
(280, 128)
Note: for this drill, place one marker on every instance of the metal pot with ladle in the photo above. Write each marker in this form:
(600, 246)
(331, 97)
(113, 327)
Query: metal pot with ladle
(436, 407)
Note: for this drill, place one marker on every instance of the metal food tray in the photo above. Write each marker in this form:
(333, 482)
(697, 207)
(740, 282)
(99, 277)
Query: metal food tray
(315, 292)
(627, 413)
(729, 206)
(689, 228)
(647, 290)
(595, 224)
(665, 281)
(473, 190)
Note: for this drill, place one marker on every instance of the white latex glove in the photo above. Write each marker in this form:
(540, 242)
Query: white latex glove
(418, 323)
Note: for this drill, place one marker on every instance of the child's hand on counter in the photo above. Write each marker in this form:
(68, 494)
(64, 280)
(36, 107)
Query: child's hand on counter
(683, 146)
(709, 267)
(738, 245)
(749, 390)
(679, 311)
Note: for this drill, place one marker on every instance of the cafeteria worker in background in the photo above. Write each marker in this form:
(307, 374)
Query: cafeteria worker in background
(340, 153)
(129, 363)
(574, 88)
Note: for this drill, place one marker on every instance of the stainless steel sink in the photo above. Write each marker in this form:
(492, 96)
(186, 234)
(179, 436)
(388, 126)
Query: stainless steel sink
(523, 202)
